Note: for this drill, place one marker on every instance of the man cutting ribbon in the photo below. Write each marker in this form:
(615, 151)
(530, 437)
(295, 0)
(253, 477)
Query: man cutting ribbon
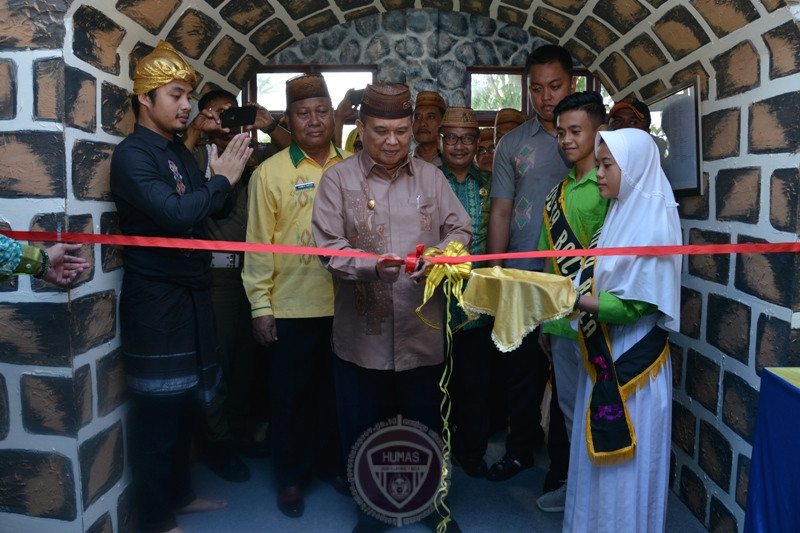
(387, 360)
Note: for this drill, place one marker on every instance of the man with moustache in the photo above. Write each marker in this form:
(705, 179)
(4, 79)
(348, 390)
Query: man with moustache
(291, 298)
(429, 109)
(166, 320)
(382, 201)
(527, 165)
(473, 349)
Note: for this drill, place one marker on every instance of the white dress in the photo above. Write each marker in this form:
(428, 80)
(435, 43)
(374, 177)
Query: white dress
(629, 497)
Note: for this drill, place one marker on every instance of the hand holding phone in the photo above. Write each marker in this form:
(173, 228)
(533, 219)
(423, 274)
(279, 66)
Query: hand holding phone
(238, 116)
(355, 96)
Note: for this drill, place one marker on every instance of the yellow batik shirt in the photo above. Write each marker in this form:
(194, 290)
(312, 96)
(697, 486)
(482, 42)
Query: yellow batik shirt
(281, 200)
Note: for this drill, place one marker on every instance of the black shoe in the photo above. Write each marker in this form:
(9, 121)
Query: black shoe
(290, 501)
(508, 467)
(226, 464)
(476, 469)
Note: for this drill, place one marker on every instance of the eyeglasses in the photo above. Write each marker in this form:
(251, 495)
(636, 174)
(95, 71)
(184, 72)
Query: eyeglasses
(483, 150)
(451, 139)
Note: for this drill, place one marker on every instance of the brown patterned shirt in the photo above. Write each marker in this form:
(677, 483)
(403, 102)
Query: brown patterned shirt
(375, 325)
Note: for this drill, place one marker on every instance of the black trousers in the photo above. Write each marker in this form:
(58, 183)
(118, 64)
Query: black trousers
(498, 394)
(473, 350)
(228, 414)
(305, 437)
(528, 371)
(558, 444)
(161, 429)
(365, 397)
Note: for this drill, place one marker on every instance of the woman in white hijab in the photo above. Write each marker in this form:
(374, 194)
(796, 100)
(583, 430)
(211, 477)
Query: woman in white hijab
(619, 462)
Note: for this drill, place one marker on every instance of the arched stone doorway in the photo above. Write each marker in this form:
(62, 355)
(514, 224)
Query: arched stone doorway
(63, 91)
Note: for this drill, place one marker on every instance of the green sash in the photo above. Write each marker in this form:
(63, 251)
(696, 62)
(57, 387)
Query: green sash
(610, 436)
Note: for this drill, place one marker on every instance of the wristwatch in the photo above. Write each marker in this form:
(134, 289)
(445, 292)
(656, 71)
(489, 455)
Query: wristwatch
(269, 129)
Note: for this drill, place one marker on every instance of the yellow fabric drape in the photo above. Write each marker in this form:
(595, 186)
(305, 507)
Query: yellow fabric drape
(519, 300)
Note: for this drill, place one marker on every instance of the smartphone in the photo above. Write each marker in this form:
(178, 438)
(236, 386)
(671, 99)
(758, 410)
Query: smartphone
(238, 116)
(355, 96)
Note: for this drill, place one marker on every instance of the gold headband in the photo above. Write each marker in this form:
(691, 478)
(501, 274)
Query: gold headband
(160, 67)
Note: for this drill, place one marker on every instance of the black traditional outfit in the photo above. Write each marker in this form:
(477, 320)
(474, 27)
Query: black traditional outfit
(166, 317)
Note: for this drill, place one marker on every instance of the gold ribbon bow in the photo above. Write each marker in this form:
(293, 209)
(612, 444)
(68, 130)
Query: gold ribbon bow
(451, 276)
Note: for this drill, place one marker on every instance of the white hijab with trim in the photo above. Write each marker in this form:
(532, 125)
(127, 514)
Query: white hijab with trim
(643, 214)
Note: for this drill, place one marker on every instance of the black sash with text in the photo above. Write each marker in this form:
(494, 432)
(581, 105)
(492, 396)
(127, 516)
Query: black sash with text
(610, 435)
(560, 232)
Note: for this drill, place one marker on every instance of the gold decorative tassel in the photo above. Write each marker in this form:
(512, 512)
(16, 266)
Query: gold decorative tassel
(452, 277)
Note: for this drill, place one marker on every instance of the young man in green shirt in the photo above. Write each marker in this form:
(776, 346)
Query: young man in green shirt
(573, 213)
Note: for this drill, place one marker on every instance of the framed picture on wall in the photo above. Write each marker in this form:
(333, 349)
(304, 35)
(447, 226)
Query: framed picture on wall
(675, 124)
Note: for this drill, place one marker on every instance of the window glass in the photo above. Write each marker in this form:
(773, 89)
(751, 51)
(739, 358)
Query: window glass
(271, 86)
(339, 82)
(583, 81)
(271, 89)
(493, 91)
(346, 129)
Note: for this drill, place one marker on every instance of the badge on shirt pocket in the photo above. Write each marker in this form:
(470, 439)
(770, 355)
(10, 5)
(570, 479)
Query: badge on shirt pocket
(304, 191)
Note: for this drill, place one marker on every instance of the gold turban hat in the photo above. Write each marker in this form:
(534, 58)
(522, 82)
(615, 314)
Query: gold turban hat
(160, 67)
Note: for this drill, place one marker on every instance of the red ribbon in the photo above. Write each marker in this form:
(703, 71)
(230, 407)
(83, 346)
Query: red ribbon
(234, 246)
(412, 260)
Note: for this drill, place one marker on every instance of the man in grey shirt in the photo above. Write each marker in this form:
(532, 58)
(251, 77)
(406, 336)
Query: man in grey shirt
(527, 165)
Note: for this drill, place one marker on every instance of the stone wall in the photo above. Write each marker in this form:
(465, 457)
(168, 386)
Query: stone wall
(64, 82)
(427, 49)
(62, 393)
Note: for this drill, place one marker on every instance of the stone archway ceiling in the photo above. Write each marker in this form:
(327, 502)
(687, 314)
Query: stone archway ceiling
(624, 42)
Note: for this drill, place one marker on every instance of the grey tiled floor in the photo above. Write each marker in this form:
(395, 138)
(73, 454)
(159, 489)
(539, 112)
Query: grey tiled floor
(478, 505)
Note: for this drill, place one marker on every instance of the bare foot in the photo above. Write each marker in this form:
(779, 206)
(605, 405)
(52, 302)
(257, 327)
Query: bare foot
(202, 505)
